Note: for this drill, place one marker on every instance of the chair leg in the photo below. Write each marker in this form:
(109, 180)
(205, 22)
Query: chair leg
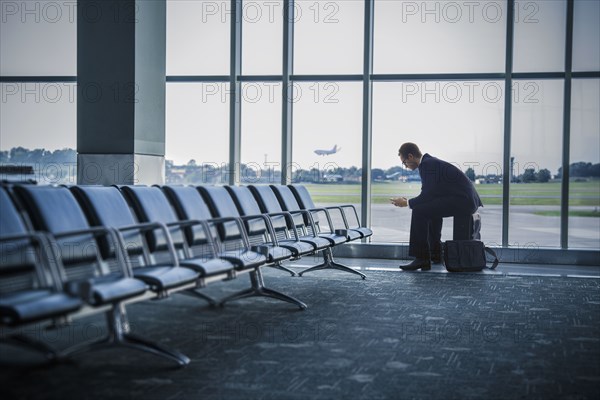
(315, 268)
(142, 344)
(199, 295)
(342, 267)
(329, 263)
(87, 347)
(278, 265)
(281, 296)
(258, 289)
(118, 336)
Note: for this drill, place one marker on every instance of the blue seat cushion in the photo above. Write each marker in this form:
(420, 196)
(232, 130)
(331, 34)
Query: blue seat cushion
(353, 234)
(106, 289)
(244, 259)
(318, 243)
(274, 253)
(35, 304)
(208, 267)
(333, 238)
(161, 277)
(297, 248)
(365, 232)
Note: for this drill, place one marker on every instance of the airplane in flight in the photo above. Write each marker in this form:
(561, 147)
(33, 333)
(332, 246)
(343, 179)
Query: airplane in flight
(334, 150)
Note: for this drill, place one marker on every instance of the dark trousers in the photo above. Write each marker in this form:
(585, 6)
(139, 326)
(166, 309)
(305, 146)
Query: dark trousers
(426, 223)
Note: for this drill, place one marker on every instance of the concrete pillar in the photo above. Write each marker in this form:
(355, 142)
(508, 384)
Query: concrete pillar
(121, 67)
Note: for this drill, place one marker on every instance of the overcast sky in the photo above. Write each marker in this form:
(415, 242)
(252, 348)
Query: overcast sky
(458, 121)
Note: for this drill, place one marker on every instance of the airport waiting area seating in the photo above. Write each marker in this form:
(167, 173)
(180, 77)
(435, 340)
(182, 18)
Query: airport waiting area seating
(305, 202)
(306, 219)
(234, 246)
(158, 252)
(274, 225)
(30, 290)
(102, 282)
(68, 252)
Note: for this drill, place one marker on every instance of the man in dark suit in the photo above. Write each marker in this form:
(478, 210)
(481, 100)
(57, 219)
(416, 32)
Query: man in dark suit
(445, 191)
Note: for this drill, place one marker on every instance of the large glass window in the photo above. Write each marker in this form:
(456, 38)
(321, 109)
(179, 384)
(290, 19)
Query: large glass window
(328, 37)
(197, 135)
(439, 36)
(460, 122)
(586, 36)
(38, 128)
(327, 143)
(539, 32)
(261, 132)
(536, 154)
(262, 47)
(198, 33)
(584, 186)
(38, 38)
(38, 119)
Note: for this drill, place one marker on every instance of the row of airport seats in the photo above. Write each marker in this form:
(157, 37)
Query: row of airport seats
(68, 252)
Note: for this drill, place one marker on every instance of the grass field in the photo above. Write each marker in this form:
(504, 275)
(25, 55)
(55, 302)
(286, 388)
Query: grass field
(593, 213)
(529, 194)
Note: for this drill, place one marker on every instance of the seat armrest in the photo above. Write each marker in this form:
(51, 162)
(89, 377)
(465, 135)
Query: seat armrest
(308, 214)
(239, 223)
(44, 266)
(261, 249)
(152, 226)
(267, 222)
(98, 231)
(341, 232)
(204, 224)
(354, 211)
(327, 216)
(342, 213)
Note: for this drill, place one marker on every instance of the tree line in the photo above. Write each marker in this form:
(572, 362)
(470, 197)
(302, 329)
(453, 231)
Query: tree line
(193, 172)
(21, 155)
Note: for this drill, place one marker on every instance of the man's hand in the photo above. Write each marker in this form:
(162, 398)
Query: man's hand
(399, 201)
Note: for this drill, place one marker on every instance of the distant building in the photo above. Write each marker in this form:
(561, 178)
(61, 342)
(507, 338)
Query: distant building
(333, 178)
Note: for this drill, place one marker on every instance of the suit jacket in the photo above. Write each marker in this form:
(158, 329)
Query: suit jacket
(442, 179)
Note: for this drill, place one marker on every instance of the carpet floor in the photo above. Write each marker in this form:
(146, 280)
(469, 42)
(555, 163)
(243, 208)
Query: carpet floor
(391, 336)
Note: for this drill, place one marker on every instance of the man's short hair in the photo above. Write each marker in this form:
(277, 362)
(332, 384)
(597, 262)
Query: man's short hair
(409, 148)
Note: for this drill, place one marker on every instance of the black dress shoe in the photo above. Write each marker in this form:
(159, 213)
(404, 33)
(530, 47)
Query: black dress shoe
(419, 263)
